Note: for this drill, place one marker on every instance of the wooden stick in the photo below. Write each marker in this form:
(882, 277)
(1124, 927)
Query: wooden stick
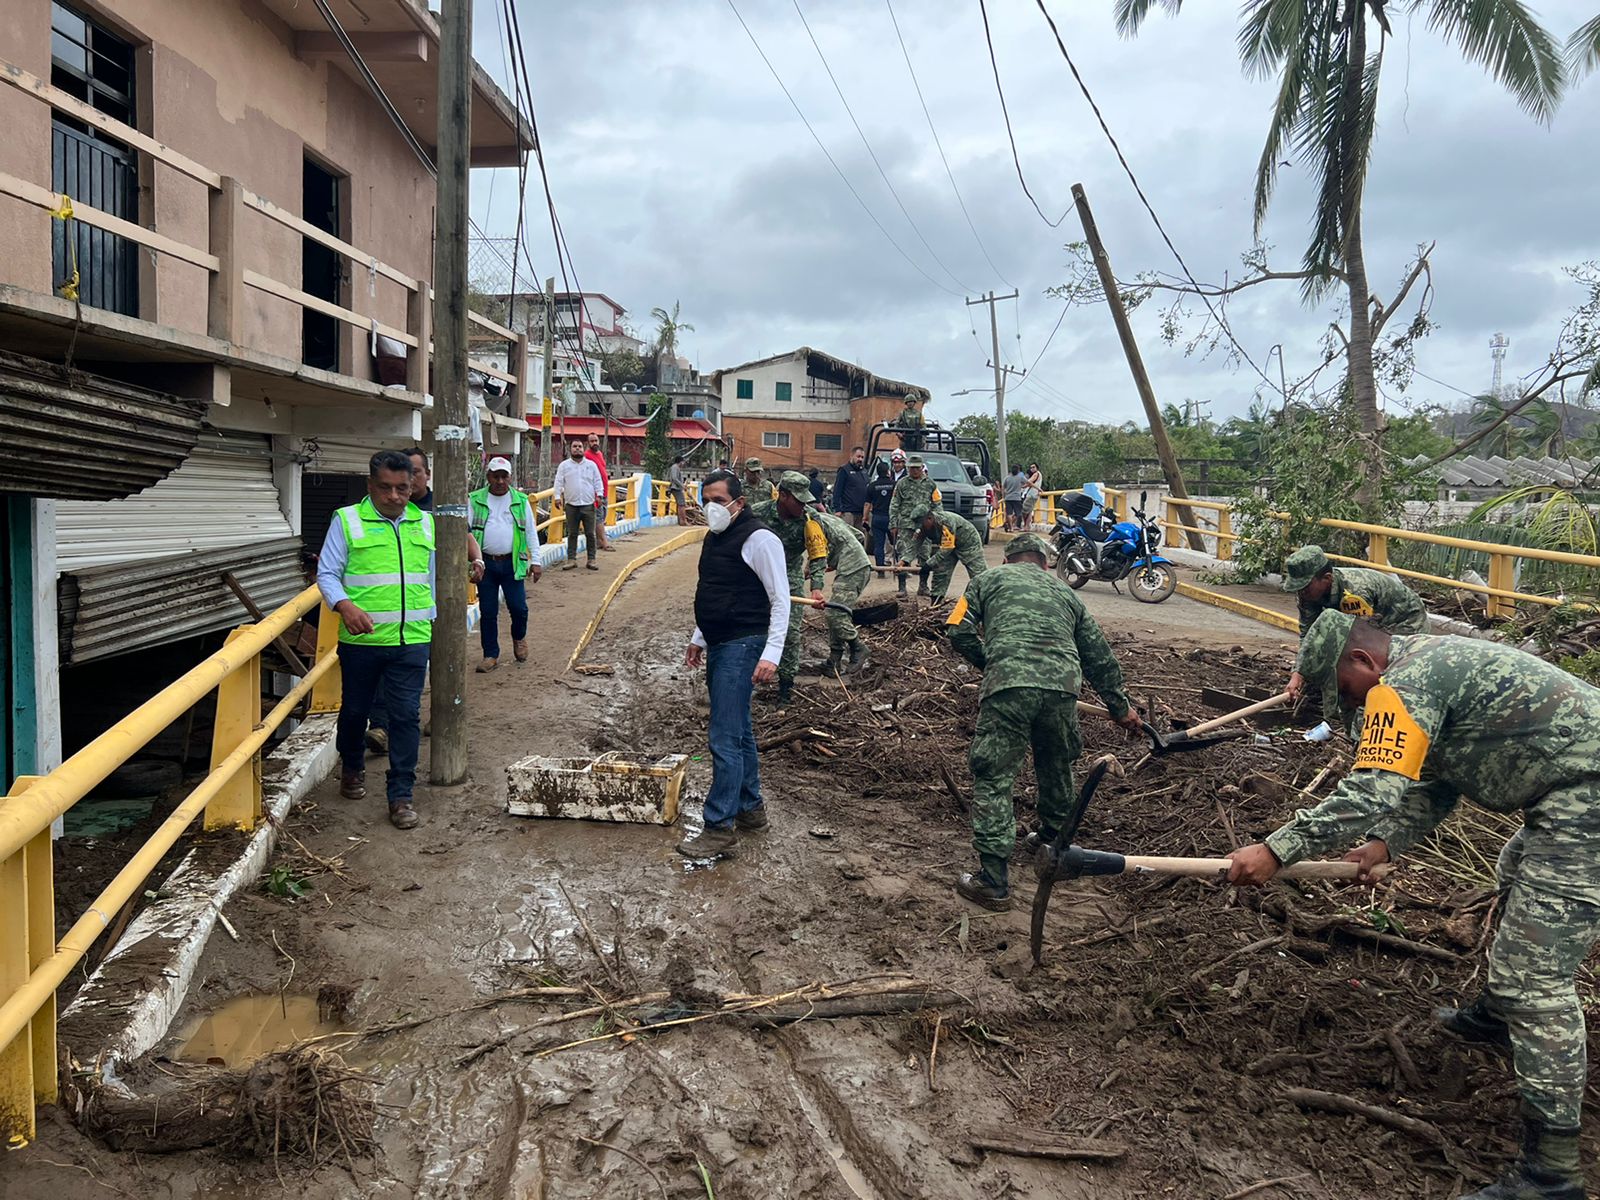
(1337, 1102)
(251, 607)
(794, 735)
(1202, 867)
(1027, 1143)
(1260, 706)
(1263, 1186)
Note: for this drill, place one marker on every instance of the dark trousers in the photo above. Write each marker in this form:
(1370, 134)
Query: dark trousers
(500, 575)
(880, 541)
(580, 517)
(395, 673)
(735, 767)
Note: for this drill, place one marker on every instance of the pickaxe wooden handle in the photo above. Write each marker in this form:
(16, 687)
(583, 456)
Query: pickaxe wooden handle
(1205, 726)
(1206, 867)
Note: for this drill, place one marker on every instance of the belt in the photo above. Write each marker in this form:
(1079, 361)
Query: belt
(498, 557)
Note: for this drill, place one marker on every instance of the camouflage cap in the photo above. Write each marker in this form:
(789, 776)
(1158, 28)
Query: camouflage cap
(796, 484)
(920, 513)
(1320, 651)
(1027, 543)
(1301, 567)
(915, 461)
(752, 464)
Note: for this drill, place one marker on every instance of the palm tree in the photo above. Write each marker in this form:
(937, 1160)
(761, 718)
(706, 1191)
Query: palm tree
(668, 327)
(1249, 433)
(1583, 49)
(1488, 413)
(1326, 106)
(1174, 417)
(1542, 429)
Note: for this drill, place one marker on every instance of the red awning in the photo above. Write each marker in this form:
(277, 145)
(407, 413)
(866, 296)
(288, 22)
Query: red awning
(583, 426)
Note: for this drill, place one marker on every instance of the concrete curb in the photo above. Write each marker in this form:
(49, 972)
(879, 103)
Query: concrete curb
(127, 1007)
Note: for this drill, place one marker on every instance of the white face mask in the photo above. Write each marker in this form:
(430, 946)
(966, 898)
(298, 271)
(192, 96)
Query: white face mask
(718, 516)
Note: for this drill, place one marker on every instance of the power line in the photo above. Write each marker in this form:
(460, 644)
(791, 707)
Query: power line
(873, 154)
(1006, 113)
(949, 174)
(837, 169)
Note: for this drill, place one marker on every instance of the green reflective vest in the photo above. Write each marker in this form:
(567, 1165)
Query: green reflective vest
(386, 575)
(521, 524)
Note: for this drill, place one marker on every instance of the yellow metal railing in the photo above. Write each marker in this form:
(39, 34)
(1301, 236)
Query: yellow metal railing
(32, 962)
(1500, 591)
(1047, 507)
(622, 504)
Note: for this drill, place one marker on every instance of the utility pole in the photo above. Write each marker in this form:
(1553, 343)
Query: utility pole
(1000, 373)
(448, 756)
(1141, 379)
(547, 403)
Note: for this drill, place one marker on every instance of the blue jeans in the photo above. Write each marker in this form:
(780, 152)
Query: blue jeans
(396, 674)
(880, 541)
(500, 575)
(735, 769)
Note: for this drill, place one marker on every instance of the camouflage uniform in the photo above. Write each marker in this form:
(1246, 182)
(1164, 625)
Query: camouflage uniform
(1036, 644)
(803, 542)
(910, 419)
(1457, 716)
(852, 568)
(1360, 591)
(958, 541)
(909, 493)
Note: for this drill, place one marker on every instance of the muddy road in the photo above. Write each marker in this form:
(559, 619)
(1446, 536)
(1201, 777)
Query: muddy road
(1166, 1022)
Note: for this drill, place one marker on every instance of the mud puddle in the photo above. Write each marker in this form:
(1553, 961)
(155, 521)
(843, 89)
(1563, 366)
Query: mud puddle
(247, 1027)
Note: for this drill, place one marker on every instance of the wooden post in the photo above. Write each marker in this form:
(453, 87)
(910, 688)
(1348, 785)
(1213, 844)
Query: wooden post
(547, 391)
(448, 757)
(524, 451)
(225, 293)
(1141, 378)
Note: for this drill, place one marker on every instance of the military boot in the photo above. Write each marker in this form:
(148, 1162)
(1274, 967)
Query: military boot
(1039, 839)
(830, 665)
(1547, 1168)
(860, 660)
(922, 581)
(1475, 1022)
(987, 886)
(900, 578)
(785, 692)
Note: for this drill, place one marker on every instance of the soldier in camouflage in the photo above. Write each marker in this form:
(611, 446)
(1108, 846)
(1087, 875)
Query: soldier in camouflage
(1036, 644)
(1446, 717)
(852, 568)
(803, 543)
(756, 484)
(1374, 595)
(916, 488)
(955, 540)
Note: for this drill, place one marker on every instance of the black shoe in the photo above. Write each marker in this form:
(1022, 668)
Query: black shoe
(980, 889)
(860, 660)
(753, 820)
(784, 694)
(1547, 1169)
(1474, 1022)
(1039, 839)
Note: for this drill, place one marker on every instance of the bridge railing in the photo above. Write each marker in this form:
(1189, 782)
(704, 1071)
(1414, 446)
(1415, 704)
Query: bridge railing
(32, 962)
(1049, 505)
(1500, 592)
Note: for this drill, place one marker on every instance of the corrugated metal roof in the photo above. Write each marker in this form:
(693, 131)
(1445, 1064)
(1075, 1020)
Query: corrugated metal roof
(222, 496)
(1495, 471)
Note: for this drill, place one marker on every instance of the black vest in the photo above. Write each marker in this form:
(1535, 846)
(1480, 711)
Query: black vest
(730, 601)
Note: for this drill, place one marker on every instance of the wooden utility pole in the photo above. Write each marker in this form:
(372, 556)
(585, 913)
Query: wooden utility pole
(1141, 379)
(1000, 373)
(547, 403)
(448, 754)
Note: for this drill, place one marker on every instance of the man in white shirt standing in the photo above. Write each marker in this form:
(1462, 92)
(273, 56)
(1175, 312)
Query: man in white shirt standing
(741, 612)
(503, 526)
(577, 491)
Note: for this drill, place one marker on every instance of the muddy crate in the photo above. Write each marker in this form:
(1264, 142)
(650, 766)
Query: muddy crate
(613, 787)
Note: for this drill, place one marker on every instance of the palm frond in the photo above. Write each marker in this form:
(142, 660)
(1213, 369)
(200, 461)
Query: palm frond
(1583, 49)
(1286, 115)
(1506, 38)
(1270, 31)
(1131, 13)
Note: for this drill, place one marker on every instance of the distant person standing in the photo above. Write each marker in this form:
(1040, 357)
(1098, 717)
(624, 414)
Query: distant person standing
(850, 486)
(376, 570)
(1032, 485)
(675, 489)
(910, 423)
(819, 491)
(502, 520)
(741, 612)
(880, 492)
(1011, 491)
(576, 491)
(603, 505)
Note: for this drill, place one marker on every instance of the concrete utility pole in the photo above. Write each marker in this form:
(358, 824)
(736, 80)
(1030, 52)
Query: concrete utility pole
(448, 755)
(1000, 373)
(547, 403)
(1141, 379)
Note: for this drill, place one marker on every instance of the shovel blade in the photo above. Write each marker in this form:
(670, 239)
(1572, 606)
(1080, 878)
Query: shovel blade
(876, 614)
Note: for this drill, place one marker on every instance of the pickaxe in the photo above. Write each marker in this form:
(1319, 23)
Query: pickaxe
(1187, 739)
(867, 614)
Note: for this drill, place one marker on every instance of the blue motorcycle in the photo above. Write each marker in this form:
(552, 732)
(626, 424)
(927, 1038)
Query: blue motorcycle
(1091, 545)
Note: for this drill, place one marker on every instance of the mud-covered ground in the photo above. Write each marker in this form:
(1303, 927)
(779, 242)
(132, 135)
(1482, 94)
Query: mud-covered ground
(1168, 1018)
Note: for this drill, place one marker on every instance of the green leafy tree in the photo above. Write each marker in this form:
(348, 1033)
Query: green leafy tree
(1327, 57)
(657, 437)
(621, 366)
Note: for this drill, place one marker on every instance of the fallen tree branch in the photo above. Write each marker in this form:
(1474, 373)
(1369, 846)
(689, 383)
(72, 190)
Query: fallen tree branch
(1030, 1143)
(1338, 1102)
(793, 735)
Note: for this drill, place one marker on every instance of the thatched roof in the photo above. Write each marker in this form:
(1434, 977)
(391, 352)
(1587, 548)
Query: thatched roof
(826, 366)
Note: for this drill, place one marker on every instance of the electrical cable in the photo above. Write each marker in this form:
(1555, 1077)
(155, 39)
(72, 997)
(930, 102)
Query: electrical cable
(376, 88)
(831, 162)
(949, 174)
(873, 154)
(1006, 113)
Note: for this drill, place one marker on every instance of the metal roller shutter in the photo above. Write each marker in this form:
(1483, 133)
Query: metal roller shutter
(223, 495)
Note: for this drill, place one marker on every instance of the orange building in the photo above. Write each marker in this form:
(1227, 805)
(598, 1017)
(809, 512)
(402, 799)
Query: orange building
(806, 409)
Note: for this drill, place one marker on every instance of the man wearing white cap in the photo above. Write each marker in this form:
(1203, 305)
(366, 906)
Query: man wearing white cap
(502, 521)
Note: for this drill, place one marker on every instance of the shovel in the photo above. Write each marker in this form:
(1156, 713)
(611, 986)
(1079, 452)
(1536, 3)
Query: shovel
(867, 614)
(1186, 739)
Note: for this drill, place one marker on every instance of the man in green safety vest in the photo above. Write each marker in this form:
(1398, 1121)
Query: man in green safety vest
(376, 570)
(502, 523)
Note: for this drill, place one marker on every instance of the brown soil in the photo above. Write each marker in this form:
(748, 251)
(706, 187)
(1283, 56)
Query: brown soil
(1168, 1016)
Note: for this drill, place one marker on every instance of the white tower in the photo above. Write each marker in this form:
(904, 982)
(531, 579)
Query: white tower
(1497, 351)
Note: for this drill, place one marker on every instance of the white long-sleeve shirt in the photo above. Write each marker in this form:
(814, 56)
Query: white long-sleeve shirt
(763, 553)
(577, 481)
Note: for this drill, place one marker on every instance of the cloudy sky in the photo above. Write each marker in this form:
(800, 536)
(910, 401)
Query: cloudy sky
(682, 173)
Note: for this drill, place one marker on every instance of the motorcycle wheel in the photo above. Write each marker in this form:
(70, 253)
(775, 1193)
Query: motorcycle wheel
(1064, 572)
(1152, 584)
